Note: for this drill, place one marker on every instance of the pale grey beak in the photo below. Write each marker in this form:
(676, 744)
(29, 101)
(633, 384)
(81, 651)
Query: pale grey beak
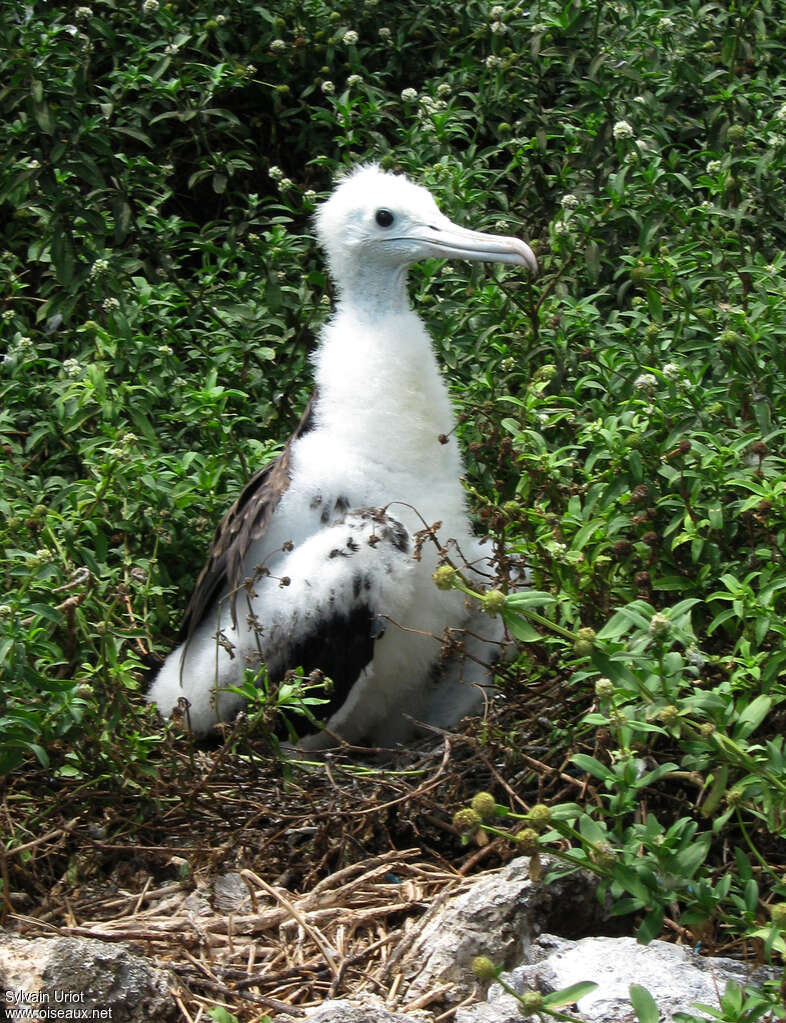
(444, 240)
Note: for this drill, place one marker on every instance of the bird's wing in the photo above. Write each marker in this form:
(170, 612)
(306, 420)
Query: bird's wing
(245, 522)
(340, 647)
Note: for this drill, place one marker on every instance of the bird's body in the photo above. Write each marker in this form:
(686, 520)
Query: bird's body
(368, 468)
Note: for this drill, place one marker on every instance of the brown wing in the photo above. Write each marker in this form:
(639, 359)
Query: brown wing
(245, 522)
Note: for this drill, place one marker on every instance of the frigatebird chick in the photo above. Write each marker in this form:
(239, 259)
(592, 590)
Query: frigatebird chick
(335, 516)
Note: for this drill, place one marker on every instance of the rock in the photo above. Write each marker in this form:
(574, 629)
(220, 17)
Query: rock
(364, 1009)
(93, 979)
(231, 894)
(499, 916)
(674, 975)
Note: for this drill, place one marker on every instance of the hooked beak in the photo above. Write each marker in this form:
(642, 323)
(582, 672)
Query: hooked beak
(444, 239)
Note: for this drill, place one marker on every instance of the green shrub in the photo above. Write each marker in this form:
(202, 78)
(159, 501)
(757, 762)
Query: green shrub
(622, 416)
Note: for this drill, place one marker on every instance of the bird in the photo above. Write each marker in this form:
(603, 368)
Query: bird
(326, 559)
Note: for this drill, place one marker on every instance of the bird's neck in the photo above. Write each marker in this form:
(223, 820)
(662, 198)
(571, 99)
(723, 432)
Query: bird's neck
(373, 293)
(379, 381)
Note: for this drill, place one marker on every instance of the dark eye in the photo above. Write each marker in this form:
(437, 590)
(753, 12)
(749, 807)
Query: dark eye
(384, 218)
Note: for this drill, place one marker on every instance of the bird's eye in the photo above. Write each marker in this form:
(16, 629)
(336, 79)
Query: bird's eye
(384, 218)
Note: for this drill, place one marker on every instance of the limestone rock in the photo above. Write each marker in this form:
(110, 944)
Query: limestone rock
(85, 976)
(499, 916)
(674, 975)
(364, 1009)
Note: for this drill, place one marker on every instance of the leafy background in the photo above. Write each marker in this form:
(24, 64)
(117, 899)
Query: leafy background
(622, 417)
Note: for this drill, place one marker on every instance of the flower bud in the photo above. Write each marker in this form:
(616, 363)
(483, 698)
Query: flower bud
(530, 1003)
(527, 840)
(445, 577)
(604, 689)
(466, 820)
(659, 625)
(493, 601)
(584, 642)
(539, 816)
(668, 715)
(603, 855)
(778, 915)
(483, 968)
(484, 805)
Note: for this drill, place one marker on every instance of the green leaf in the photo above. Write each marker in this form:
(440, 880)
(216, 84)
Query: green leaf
(592, 830)
(750, 895)
(654, 305)
(43, 117)
(222, 1015)
(630, 879)
(520, 628)
(651, 926)
(63, 255)
(592, 766)
(688, 861)
(715, 515)
(752, 716)
(46, 611)
(529, 598)
(569, 995)
(643, 1004)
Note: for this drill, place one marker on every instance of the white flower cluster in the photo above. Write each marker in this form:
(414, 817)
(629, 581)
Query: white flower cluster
(569, 201)
(24, 346)
(623, 130)
(83, 12)
(72, 367)
(409, 95)
(714, 167)
(659, 624)
(150, 6)
(646, 382)
(99, 268)
(328, 87)
(493, 61)
(278, 46)
(432, 106)
(350, 38)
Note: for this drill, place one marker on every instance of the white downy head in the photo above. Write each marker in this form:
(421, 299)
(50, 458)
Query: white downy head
(376, 224)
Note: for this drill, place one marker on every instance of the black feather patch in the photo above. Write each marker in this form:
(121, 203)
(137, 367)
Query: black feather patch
(339, 646)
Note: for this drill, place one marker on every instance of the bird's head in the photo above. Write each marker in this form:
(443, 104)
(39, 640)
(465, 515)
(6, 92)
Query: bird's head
(377, 224)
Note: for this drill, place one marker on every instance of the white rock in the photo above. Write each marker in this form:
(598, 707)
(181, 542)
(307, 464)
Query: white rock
(675, 976)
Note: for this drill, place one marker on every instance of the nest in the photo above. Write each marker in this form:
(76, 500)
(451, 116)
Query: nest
(255, 947)
(263, 887)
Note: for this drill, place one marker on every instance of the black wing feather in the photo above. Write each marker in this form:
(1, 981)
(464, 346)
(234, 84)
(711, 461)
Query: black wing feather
(245, 522)
(340, 648)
